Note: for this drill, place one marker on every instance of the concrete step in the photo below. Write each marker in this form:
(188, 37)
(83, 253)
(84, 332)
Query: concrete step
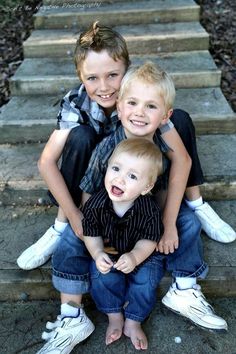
(21, 226)
(80, 16)
(21, 184)
(34, 117)
(38, 76)
(141, 39)
(29, 318)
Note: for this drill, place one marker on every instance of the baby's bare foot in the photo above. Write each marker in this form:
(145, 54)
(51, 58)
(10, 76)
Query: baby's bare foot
(134, 330)
(115, 327)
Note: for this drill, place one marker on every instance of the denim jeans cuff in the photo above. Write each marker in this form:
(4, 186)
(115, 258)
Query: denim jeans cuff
(135, 317)
(201, 272)
(69, 286)
(110, 309)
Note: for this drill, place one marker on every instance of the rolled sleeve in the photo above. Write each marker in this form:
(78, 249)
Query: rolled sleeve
(68, 117)
(166, 127)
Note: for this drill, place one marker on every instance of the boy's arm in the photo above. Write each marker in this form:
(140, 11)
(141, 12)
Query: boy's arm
(179, 172)
(95, 247)
(141, 251)
(85, 197)
(93, 179)
(51, 174)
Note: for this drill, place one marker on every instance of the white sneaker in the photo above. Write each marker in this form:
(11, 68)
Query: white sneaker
(213, 225)
(192, 304)
(40, 252)
(67, 333)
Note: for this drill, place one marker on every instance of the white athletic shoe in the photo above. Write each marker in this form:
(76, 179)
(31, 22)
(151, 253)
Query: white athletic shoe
(192, 304)
(66, 333)
(40, 252)
(213, 225)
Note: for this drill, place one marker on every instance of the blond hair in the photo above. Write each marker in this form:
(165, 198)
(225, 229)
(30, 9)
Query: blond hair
(98, 38)
(145, 149)
(149, 73)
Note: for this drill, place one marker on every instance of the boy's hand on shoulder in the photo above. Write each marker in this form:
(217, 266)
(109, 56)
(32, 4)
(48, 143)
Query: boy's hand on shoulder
(126, 263)
(75, 221)
(103, 262)
(169, 241)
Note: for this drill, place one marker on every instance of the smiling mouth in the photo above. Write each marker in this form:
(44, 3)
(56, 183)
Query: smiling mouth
(116, 191)
(138, 123)
(106, 97)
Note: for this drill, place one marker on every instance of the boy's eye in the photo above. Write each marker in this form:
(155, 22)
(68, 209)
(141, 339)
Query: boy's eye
(151, 106)
(91, 78)
(113, 75)
(132, 176)
(115, 168)
(132, 103)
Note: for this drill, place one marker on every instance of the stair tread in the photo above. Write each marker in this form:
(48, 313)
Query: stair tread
(173, 63)
(202, 104)
(45, 75)
(33, 222)
(18, 163)
(80, 16)
(62, 36)
(30, 224)
(143, 5)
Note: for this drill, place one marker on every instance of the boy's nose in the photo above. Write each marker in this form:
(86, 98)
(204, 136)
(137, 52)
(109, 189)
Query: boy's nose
(103, 85)
(139, 111)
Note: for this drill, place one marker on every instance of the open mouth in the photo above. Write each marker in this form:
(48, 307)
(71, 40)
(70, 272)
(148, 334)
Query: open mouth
(116, 191)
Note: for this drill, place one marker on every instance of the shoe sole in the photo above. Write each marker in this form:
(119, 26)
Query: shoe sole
(221, 330)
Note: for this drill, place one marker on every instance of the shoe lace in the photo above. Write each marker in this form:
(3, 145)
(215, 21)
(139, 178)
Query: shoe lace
(52, 326)
(199, 295)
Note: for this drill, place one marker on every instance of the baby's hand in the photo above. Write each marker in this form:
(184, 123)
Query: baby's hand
(126, 263)
(103, 262)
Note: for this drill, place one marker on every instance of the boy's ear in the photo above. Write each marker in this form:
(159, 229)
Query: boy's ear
(167, 117)
(147, 189)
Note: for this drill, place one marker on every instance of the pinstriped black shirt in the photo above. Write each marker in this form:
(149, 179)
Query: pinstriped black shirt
(141, 221)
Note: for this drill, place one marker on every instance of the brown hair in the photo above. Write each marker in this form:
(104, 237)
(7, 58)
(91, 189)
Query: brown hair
(145, 149)
(98, 38)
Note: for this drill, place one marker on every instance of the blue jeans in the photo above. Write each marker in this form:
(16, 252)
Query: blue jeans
(70, 263)
(134, 294)
(71, 260)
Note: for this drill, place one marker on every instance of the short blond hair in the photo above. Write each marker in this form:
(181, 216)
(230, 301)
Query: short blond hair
(145, 149)
(98, 38)
(149, 73)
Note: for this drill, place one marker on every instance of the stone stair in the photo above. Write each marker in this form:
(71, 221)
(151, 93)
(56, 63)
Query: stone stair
(167, 32)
